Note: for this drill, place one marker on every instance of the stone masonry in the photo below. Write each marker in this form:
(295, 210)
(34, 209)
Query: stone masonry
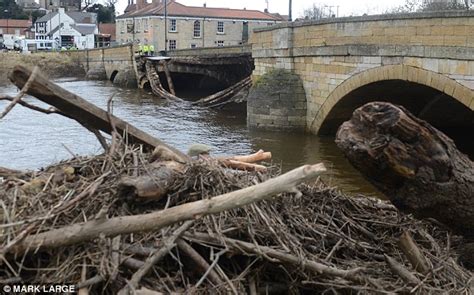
(277, 101)
(334, 57)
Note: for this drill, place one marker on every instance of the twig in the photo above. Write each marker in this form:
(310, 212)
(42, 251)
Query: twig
(237, 245)
(22, 92)
(81, 232)
(168, 244)
(210, 270)
(51, 110)
(200, 262)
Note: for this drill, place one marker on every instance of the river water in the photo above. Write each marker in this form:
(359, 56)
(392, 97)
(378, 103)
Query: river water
(31, 140)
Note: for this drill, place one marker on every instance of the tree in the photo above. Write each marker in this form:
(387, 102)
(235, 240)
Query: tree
(9, 9)
(105, 14)
(314, 12)
(424, 6)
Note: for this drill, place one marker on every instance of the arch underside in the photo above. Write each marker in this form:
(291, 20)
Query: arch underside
(446, 112)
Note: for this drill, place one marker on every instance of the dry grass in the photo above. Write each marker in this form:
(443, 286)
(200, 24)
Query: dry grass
(52, 64)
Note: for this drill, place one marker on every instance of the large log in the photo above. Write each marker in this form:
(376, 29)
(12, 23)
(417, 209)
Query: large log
(84, 112)
(415, 165)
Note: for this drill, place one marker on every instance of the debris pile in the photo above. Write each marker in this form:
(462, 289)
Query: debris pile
(317, 239)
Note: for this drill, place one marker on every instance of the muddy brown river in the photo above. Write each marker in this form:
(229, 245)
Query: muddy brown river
(31, 140)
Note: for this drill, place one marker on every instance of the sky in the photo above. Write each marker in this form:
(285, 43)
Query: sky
(346, 7)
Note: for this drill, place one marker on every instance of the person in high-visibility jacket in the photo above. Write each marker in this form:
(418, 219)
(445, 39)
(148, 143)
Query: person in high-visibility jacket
(145, 49)
(152, 49)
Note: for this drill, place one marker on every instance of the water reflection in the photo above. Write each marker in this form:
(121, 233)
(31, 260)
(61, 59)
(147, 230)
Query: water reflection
(29, 140)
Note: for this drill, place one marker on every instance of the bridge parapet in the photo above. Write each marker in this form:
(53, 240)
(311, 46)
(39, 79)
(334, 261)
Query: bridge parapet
(212, 51)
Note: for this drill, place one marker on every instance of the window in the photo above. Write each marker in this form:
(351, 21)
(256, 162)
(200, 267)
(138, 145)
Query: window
(139, 25)
(1, 31)
(193, 45)
(172, 45)
(122, 26)
(145, 24)
(220, 27)
(17, 32)
(220, 43)
(197, 29)
(173, 27)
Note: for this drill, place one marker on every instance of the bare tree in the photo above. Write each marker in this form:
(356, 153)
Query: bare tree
(314, 12)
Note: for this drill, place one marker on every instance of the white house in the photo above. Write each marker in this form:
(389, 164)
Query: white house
(68, 28)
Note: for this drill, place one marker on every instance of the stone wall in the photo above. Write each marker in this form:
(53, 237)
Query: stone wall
(277, 101)
(327, 53)
(184, 34)
(106, 63)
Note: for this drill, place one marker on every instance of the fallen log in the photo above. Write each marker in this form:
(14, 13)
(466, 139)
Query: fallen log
(252, 158)
(415, 165)
(154, 185)
(86, 231)
(84, 112)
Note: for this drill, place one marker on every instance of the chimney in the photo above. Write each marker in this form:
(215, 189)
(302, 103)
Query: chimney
(265, 10)
(204, 5)
(141, 4)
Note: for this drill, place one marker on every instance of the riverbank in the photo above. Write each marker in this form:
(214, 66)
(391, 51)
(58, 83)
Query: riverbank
(52, 64)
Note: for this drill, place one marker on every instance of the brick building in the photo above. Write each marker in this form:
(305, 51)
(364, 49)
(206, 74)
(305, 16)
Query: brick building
(188, 26)
(18, 27)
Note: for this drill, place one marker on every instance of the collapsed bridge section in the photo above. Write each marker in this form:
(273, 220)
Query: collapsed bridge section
(211, 80)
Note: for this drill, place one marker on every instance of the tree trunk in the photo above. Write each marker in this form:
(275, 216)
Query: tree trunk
(415, 165)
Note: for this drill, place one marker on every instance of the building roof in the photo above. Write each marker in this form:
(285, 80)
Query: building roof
(46, 17)
(82, 17)
(178, 9)
(84, 29)
(107, 29)
(15, 23)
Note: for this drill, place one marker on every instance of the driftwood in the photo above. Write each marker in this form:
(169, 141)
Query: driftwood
(87, 114)
(153, 185)
(252, 158)
(269, 253)
(415, 165)
(413, 253)
(401, 271)
(86, 231)
(229, 163)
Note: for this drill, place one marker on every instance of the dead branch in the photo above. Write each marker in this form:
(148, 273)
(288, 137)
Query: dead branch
(401, 271)
(82, 232)
(22, 92)
(270, 253)
(200, 262)
(84, 112)
(413, 253)
(32, 107)
(168, 244)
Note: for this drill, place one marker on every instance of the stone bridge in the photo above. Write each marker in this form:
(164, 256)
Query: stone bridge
(312, 75)
(116, 64)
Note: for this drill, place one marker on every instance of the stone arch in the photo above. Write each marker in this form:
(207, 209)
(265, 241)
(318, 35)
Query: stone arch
(402, 72)
(113, 75)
